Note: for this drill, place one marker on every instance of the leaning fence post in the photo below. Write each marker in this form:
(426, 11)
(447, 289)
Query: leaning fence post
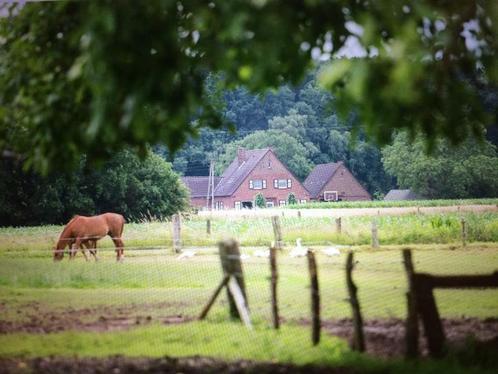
(358, 337)
(177, 242)
(375, 239)
(277, 231)
(338, 225)
(274, 279)
(464, 232)
(315, 298)
(298, 214)
(230, 262)
(411, 325)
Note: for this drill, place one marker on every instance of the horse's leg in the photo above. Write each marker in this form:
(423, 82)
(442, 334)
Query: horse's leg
(72, 251)
(119, 248)
(79, 246)
(93, 251)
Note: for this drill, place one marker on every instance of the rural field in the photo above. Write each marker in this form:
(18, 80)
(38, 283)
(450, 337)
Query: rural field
(148, 305)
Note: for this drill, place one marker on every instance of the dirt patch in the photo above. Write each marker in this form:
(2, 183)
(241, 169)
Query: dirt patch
(386, 337)
(164, 365)
(90, 319)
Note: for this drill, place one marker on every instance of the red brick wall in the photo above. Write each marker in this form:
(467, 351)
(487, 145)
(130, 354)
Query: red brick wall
(348, 188)
(276, 170)
(198, 202)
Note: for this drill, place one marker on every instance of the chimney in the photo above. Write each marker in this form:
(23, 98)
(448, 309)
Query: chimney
(241, 155)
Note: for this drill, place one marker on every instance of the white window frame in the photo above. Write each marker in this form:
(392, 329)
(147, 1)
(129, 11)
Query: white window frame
(289, 183)
(282, 202)
(330, 193)
(302, 201)
(270, 204)
(252, 184)
(238, 205)
(283, 186)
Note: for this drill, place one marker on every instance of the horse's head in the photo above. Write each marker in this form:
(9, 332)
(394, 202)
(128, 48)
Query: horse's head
(61, 245)
(58, 254)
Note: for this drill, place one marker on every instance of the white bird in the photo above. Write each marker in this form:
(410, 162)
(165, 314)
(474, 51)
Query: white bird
(262, 253)
(298, 251)
(186, 254)
(331, 251)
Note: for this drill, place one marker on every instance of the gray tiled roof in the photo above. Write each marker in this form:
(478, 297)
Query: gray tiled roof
(319, 177)
(401, 195)
(236, 172)
(198, 186)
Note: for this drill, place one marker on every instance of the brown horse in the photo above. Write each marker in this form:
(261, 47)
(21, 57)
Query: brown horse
(86, 231)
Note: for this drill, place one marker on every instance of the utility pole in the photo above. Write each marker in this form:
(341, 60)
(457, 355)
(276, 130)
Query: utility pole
(212, 185)
(209, 185)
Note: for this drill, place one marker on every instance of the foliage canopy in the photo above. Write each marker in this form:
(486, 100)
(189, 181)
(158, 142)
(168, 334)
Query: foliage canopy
(90, 77)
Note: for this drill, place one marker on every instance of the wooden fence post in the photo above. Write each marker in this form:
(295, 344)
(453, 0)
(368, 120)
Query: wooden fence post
(208, 226)
(375, 239)
(427, 308)
(274, 279)
(230, 262)
(277, 232)
(411, 325)
(464, 232)
(358, 337)
(299, 214)
(338, 225)
(208, 306)
(315, 298)
(177, 241)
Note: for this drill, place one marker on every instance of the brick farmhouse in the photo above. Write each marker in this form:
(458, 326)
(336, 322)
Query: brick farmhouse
(251, 172)
(334, 182)
(260, 171)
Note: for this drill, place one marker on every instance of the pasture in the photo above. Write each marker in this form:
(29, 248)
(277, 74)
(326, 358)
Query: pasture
(147, 305)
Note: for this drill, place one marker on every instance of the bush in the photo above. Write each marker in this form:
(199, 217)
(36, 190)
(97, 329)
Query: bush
(260, 201)
(291, 199)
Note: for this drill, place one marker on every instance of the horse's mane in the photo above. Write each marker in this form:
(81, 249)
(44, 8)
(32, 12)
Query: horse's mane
(67, 227)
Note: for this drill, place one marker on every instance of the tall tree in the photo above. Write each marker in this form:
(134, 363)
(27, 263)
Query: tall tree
(469, 170)
(292, 153)
(93, 76)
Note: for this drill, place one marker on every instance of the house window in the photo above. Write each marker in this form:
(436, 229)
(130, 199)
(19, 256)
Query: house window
(282, 183)
(330, 195)
(237, 205)
(218, 205)
(270, 204)
(303, 201)
(257, 184)
(282, 202)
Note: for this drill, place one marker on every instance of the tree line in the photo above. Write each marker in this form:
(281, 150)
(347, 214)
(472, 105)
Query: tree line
(140, 189)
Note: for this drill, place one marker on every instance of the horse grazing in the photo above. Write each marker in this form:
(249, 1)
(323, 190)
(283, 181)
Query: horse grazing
(81, 230)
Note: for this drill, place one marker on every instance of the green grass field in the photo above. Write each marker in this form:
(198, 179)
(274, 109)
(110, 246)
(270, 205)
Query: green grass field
(257, 231)
(394, 204)
(38, 296)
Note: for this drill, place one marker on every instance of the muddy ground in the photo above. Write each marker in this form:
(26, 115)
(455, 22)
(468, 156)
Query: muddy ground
(384, 337)
(117, 365)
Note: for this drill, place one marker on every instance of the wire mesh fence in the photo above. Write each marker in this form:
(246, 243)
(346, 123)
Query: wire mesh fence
(156, 286)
